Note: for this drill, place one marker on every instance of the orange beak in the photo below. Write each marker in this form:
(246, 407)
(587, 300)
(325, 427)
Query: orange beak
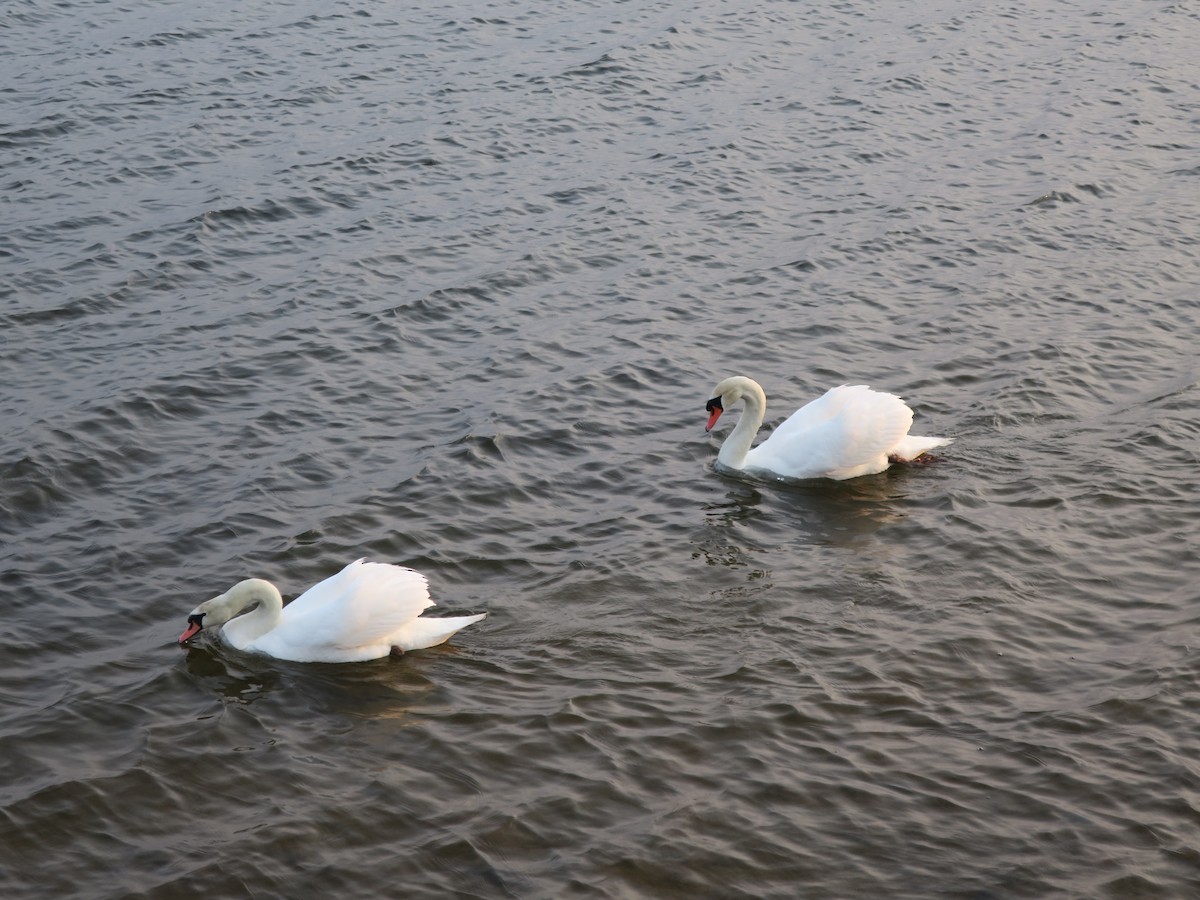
(715, 409)
(193, 628)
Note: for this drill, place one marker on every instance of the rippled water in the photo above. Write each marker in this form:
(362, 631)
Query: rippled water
(288, 283)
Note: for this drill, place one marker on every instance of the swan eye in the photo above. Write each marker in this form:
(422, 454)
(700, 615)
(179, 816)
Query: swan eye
(713, 404)
(197, 619)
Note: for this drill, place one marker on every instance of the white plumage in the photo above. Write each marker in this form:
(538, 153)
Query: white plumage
(363, 612)
(848, 431)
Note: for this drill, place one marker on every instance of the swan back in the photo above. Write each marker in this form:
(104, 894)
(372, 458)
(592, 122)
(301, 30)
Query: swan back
(848, 431)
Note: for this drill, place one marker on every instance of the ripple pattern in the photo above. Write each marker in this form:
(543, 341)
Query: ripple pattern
(289, 283)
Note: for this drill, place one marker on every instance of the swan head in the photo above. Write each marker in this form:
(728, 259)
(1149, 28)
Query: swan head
(727, 393)
(223, 607)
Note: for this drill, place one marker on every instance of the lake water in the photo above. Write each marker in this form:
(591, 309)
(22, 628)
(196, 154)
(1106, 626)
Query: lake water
(283, 284)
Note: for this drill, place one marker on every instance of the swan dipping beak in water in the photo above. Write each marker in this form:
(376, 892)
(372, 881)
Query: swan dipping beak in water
(366, 611)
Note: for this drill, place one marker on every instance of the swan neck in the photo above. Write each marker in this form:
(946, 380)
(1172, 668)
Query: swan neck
(737, 445)
(265, 605)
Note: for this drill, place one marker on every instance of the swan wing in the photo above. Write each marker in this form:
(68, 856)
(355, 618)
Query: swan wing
(848, 431)
(355, 610)
(326, 592)
(828, 406)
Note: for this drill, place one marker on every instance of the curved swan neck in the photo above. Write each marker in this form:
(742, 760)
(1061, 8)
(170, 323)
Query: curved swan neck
(737, 445)
(253, 592)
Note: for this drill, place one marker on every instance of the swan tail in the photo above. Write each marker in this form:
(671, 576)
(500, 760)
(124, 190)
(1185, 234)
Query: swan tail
(422, 632)
(913, 445)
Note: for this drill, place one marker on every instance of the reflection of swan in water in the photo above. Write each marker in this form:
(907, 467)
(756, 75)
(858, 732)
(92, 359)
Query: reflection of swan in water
(360, 691)
(847, 432)
(813, 512)
(234, 683)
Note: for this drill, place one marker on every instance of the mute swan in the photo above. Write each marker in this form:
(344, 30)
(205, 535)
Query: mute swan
(849, 431)
(362, 612)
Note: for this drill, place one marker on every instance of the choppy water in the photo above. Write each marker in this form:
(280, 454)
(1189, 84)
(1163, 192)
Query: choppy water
(287, 283)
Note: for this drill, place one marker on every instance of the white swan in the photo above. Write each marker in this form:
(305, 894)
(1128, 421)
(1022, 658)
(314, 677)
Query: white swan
(848, 431)
(362, 612)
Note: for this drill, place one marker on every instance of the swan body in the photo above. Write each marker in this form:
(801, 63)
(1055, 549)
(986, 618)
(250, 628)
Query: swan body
(848, 431)
(363, 612)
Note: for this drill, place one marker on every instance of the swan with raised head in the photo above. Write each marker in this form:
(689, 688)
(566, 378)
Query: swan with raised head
(365, 611)
(848, 431)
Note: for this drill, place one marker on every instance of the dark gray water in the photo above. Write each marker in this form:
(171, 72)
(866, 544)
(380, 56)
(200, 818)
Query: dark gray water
(287, 283)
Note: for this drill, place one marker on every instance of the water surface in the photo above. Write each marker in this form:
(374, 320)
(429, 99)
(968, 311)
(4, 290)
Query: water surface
(289, 283)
